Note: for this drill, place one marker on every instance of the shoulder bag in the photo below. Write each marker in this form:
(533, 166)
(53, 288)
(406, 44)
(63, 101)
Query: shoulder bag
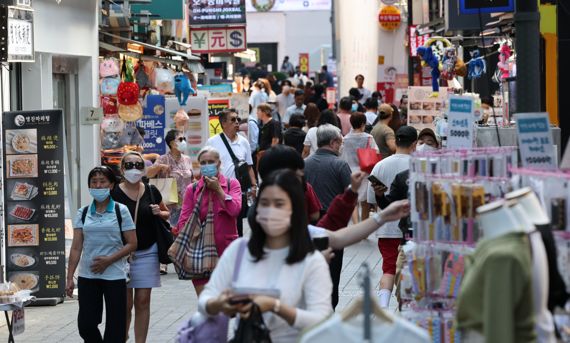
(164, 237)
(241, 168)
(367, 157)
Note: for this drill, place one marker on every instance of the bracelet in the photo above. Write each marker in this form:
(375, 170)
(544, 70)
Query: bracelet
(277, 306)
(377, 218)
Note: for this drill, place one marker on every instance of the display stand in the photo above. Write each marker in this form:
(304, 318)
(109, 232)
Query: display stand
(13, 307)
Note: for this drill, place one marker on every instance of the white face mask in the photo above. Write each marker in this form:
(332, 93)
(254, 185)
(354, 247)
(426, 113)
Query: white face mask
(425, 148)
(133, 175)
(182, 146)
(274, 221)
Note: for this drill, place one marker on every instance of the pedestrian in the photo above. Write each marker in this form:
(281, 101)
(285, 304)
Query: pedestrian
(382, 133)
(270, 133)
(279, 258)
(310, 144)
(329, 175)
(144, 266)
(390, 235)
(312, 115)
(274, 84)
(326, 78)
(309, 91)
(365, 92)
(286, 66)
(318, 98)
(234, 152)
(225, 196)
(396, 121)
(294, 136)
(371, 106)
(358, 139)
(345, 110)
(297, 108)
(271, 96)
(177, 165)
(354, 93)
(427, 141)
(257, 97)
(285, 99)
(103, 237)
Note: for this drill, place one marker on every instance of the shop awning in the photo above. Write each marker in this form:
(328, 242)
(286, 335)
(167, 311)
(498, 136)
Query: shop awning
(187, 56)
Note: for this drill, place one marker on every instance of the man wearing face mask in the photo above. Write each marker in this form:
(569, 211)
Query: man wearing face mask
(329, 176)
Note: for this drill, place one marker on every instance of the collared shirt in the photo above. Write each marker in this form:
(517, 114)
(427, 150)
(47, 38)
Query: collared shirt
(284, 102)
(291, 110)
(240, 148)
(253, 132)
(328, 174)
(370, 117)
(102, 237)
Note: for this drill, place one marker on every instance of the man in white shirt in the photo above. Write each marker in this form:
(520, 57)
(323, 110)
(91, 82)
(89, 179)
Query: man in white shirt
(371, 106)
(297, 108)
(366, 93)
(286, 98)
(241, 150)
(389, 235)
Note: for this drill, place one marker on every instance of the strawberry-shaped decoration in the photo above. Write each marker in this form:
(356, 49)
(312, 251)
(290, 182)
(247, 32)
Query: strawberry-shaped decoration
(128, 91)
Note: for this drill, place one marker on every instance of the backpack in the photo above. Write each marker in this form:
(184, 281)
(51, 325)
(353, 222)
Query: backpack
(117, 213)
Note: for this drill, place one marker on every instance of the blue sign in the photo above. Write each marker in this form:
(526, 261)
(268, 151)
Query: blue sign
(486, 6)
(461, 105)
(221, 88)
(153, 122)
(535, 141)
(533, 125)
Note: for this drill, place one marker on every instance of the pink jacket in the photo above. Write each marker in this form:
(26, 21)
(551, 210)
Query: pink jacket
(225, 227)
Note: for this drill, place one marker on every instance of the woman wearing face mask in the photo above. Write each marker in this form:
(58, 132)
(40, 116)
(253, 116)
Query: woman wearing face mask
(103, 236)
(278, 259)
(427, 141)
(225, 195)
(144, 266)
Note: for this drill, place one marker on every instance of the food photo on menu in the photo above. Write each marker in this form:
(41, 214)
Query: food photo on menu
(21, 141)
(25, 280)
(23, 235)
(22, 258)
(20, 212)
(22, 191)
(22, 166)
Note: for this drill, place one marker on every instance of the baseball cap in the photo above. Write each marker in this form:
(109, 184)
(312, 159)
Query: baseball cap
(428, 132)
(406, 134)
(355, 93)
(386, 109)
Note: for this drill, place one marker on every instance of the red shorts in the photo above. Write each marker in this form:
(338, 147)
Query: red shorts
(389, 250)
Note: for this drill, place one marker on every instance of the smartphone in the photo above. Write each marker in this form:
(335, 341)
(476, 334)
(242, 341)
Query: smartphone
(321, 243)
(375, 181)
(239, 300)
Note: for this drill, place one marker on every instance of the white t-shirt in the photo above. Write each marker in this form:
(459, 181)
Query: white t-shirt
(370, 117)
(366, 93)
(386, 171)
(240, 147)
(305, 285)
(311, 139)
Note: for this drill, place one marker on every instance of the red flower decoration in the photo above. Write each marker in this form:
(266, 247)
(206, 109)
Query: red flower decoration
(128, 93)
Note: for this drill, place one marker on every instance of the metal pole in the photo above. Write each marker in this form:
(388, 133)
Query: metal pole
(410, 58)
(527, 25)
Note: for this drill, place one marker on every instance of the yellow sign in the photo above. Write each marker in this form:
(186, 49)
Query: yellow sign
(389, 18)
(304, 63)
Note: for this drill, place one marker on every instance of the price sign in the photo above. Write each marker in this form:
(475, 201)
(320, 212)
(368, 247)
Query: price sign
(535, 141)
(18, 322)
(460, 121)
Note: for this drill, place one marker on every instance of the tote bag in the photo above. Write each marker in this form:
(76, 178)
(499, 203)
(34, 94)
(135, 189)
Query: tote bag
(367, 158)
(194, 252)
(168, 188)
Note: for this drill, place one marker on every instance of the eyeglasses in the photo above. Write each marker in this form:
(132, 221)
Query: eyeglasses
(131, 165)
(233, 119)
(181, 139)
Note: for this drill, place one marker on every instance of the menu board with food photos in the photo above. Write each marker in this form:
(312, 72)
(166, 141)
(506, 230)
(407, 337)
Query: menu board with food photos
(34, 201)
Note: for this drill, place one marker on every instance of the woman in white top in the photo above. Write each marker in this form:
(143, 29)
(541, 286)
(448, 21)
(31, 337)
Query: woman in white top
(279, 259)
(310, 144)
(354, 140)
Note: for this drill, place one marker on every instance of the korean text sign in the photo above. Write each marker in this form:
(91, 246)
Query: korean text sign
(460, 122)
(215, 12)
(153, 122)
(34, 201)
(535, 141)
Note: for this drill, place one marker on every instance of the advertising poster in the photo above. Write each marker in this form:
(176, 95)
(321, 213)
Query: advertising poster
(215, 106)
(461, 121)
(424, 109)
(153, 122)
(34, 201)
(196, 131)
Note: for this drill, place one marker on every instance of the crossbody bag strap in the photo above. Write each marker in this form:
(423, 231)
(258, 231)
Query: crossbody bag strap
(139, 196)
(232, 155)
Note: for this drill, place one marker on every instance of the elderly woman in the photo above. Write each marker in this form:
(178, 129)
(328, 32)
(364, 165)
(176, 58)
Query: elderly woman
(225, 195)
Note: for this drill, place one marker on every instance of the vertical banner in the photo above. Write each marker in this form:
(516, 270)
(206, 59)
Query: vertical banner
(461, 122)
(34, 201)
(215, 106)
(153, 122)
(304, 63)
(535, 141)
(424, 109)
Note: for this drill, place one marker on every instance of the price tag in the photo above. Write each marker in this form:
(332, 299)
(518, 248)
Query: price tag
(535, 141)
(18, 322)
(460, 122)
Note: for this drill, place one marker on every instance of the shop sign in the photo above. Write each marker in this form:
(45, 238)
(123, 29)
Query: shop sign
(389, 2)
(486, 6)
(304, 63)
(460, 121)
(216, 12)
(288, 6)
(19, 35)
(154, 122)
(389, 18)
(34, 210)
(161, 9)
(331, 96)
(215, 106)
(212, 40)
(18, 322)
(535, 141)
(416, 40)
(91, 115)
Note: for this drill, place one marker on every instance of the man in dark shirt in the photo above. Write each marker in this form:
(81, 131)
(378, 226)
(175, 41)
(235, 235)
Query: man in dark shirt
(329, 176)
(270, 133)
(295, 136)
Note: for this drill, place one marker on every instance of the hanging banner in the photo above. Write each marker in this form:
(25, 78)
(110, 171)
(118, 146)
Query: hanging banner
(304, 63)
(224, 39)
(460, 121)
(197, 129)
(153, 122)
(34, 201)
(215, 106)
(19, 34)
(416, 40)
(535, 141)
(210, 12)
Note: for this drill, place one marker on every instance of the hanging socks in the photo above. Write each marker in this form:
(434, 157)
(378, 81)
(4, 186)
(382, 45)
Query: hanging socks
(384, 295)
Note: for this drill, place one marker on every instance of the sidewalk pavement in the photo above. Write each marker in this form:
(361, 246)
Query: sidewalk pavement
(176, 301)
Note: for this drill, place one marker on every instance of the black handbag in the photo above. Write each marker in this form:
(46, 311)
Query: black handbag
(241, 168)
(164, 237)
(252, 329)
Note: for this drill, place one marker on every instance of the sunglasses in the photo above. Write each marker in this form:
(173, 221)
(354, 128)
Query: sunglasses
(233, 119)
(181, 139)
(131, 165)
